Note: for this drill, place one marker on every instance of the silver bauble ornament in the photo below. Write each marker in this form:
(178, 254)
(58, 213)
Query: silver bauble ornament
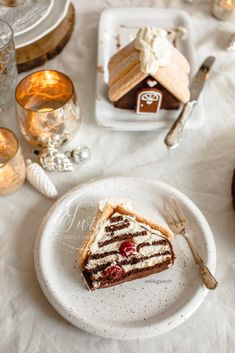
(52, 159)
(79, 154)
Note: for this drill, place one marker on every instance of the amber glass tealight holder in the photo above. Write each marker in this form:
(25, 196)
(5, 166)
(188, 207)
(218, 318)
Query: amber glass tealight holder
(46, 105)
(12, 165)
(223, 9)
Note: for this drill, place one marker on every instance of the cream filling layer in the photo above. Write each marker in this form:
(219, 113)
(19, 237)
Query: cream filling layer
(144, 251)
(150, 237)
(140, 265)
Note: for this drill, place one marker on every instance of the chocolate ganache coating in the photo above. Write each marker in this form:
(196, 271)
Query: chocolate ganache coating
(128, 101)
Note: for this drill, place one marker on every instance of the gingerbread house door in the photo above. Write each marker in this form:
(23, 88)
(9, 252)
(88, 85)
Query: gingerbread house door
(149, 101)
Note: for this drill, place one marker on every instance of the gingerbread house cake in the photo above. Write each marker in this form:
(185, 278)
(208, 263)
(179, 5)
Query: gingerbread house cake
(149, 74)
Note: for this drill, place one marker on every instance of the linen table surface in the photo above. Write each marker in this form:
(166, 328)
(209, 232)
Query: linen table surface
(201, 167)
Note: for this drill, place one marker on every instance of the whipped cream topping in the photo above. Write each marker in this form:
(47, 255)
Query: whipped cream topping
(133, 227)
(154, 47)
(115, 202)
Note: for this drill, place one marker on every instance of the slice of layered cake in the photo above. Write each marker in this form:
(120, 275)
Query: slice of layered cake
(123, 246)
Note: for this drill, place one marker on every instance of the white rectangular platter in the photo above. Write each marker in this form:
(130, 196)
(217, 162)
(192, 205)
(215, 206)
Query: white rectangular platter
(117, 27)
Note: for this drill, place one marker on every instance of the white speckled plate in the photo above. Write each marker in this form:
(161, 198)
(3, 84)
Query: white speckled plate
(139, 309)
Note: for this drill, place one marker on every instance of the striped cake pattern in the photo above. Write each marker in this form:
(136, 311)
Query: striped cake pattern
(123, 249)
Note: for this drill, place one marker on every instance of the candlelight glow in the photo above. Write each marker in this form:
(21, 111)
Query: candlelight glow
(228, 4)
(12, 166)
(223, 9)
(46, 105)
(49, 77)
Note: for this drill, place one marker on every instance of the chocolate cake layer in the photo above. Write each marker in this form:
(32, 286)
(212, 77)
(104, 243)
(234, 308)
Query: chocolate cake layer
(116, 219)
(101, 256)
(125, 236)
(160, 242)
(129, 262)
(128, 101)
(105, 254)
(135, 274)
(114, 228)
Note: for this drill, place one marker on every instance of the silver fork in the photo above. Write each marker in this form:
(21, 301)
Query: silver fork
(178, 224)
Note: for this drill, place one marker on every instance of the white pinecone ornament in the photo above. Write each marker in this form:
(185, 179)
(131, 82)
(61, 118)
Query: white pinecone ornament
(39, 179)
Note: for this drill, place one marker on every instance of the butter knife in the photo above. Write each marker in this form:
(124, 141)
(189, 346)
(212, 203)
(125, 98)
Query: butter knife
(172, 139)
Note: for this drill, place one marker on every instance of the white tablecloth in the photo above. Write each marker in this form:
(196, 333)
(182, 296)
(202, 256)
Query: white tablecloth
(202, 168)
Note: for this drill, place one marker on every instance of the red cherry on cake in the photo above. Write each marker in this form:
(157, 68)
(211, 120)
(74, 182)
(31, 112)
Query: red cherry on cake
(127, 248)
(114, 272)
